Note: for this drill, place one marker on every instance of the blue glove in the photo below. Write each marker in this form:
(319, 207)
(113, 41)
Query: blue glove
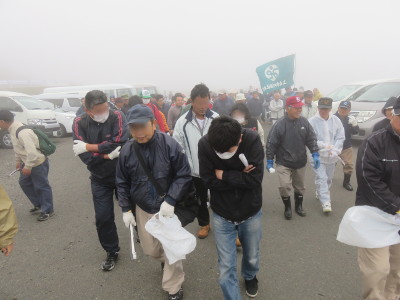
(317, 162)
(270, 164)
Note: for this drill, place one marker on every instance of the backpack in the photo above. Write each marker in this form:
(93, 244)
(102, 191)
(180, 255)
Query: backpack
(46, 146)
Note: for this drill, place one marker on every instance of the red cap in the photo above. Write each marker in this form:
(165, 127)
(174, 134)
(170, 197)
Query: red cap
(294, 101)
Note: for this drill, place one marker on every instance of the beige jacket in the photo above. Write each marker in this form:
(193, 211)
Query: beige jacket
(8, 221)
(26, 146)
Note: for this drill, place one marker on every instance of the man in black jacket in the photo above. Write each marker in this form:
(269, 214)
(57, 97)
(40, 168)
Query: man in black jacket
(170, 167)
(98, 137)
(378, 173)
(287, 141)
(236, 199)
(350, 126)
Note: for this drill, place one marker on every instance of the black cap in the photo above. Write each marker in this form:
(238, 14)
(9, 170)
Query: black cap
(389, 104)
(396, 107)
(325, 102)
(6, 115)
(139, 114)
(345, 104)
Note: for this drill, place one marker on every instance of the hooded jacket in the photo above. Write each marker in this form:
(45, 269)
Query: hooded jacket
(330, 136)
(238, 196)
(378, 171)
(169, 166)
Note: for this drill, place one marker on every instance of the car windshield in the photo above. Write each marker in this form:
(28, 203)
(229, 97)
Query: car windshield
(380, 92)
(74, 102)
(49, 105)
(32, 103)
(343, 92)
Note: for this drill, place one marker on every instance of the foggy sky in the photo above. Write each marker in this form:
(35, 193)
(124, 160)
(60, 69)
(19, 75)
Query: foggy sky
(176, 44)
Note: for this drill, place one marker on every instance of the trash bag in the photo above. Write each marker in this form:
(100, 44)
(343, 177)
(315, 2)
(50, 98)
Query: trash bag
(177, 242)
(369, 227)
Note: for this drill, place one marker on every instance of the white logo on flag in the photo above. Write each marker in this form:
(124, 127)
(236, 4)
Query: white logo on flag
(272, 72)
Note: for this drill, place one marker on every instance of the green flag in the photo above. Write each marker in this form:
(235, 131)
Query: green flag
(276, 74)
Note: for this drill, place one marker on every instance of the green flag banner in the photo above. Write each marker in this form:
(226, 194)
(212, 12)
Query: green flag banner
(276, 74)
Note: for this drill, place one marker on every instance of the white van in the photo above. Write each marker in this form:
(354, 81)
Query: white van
(145, 86)
(112, 90)
(65, 102)
(29, 111)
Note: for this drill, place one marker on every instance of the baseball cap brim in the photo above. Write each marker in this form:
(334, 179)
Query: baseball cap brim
(139, 121)
(344, 106)
(396, 111)
(298, 104)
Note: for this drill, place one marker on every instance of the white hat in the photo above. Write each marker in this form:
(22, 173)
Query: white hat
(221, 92)
(240, 97)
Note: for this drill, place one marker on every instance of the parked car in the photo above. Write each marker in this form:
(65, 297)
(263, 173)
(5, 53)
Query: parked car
(351, 91)
(29, 111)
(367, 107)
(66, 102)
(64, 118)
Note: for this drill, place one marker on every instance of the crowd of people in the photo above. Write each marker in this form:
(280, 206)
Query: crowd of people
(214, 145)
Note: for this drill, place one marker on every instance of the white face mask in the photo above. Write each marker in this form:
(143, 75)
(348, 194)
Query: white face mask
(226, 155)
(241, 120)
(101, 118)
(146, 101)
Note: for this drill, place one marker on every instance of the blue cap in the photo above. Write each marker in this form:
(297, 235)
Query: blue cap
(139, 114)
(345, 104)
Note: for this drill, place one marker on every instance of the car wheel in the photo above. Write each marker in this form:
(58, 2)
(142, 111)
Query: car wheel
(62, 132)
(5, 140)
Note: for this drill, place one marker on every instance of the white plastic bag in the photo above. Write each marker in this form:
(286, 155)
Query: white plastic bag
(369, 227)
(176, 240)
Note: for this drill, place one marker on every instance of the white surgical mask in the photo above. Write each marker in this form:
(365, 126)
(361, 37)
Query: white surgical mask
(241, 120)
(226, 155)
(101, 118)
(146, 101)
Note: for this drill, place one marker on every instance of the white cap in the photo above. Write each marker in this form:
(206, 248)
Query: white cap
(221, 92)
(240, 97)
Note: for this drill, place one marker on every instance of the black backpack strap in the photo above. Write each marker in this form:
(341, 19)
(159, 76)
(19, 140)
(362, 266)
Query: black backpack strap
(156, 185)
(21, 128)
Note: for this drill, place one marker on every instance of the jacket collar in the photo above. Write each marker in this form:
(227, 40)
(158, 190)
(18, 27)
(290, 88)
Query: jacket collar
(394, 134)
(190, 114)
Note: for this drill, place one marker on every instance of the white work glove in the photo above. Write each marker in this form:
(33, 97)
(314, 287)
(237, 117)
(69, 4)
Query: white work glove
(167, 210)
(353, 121)
(128, 218)
(79, 147)
(115, 153)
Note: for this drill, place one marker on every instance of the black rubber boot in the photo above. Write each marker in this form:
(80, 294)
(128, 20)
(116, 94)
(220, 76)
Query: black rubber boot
(346, 182)
(288, 207)
(298, 205)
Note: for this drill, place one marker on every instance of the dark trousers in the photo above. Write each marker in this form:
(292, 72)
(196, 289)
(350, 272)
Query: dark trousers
(103, 200)
(203, 216)
(37, 188)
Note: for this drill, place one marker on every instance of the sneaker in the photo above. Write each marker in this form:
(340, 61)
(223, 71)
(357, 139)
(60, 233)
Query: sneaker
(203, 232)
(44, 216)
(252, 287)
(110, 261)
(326, 208)
(34, 210)
(177, 296)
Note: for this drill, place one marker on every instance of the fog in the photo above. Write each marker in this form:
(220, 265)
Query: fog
(176, 44)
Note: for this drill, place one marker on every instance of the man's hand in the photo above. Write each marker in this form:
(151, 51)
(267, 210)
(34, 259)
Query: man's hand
(26, 172)
(128, 218)
(114, 154)
(79, 147)
(18, 166)
(218, 174)
(167, 210)
(7, 249)
(249, 168)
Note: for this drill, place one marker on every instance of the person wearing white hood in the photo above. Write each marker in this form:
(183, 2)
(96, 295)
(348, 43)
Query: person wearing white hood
(330, 136)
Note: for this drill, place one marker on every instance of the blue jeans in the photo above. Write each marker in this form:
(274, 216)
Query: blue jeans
(103, 200)
(249, 232)
(37, 188)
